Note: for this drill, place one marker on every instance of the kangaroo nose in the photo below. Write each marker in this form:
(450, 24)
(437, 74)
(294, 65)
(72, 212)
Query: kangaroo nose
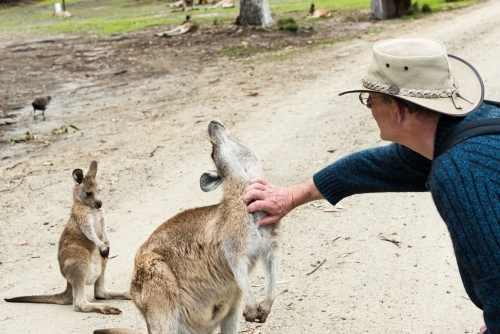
(99, 204)
(212, 123)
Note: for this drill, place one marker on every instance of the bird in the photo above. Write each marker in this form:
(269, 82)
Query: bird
(40, 103)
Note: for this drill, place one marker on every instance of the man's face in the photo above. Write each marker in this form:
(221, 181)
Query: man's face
(384, 114)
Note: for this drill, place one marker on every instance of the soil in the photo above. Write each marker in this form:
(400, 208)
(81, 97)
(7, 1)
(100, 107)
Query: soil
(141, 103)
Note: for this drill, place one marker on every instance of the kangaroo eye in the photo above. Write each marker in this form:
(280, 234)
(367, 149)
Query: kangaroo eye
(89, 193)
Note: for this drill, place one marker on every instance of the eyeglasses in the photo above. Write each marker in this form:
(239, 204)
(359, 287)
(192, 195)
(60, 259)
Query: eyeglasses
(365, 98)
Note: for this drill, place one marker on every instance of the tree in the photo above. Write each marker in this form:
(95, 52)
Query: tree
(255, 13)
(386, 9)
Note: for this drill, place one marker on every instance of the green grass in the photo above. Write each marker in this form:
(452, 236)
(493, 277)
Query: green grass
(105, 17)
(417, 9)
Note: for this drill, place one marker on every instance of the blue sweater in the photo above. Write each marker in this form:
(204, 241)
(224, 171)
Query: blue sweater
(465, 186)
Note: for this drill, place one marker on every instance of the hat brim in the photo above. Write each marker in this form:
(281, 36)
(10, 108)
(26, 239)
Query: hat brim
(470, 85)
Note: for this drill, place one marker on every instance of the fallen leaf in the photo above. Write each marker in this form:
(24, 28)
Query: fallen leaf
(253, 94)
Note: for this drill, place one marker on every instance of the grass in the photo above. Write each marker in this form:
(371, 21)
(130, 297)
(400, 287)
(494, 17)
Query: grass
(105, 17)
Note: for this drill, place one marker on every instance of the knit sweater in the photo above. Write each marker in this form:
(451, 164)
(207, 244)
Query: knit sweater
(465, 185)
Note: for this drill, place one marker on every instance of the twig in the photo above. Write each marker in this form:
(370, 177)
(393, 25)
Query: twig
(14, 166)
(383, 237)
(21, 258)
(123, 84)
(112, 257)
(154, 151)
(333, 240)
(40, 187)
(319, 265)
(10, 189)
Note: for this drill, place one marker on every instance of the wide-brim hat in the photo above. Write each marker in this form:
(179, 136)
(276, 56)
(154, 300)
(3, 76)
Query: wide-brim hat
(420, 71)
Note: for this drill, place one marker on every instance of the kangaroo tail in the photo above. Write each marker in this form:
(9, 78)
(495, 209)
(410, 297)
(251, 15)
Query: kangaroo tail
(63, 298)
(116, 331)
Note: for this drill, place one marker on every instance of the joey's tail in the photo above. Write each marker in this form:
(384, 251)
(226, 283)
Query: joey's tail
(63, 298)
(116, 331)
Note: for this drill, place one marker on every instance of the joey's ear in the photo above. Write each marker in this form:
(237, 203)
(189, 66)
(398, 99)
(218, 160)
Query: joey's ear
(92, 169)
(78, 175)
(210, 181)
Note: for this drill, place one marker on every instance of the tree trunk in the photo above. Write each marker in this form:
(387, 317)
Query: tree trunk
(64, 5)
(386, 9)
(255, 13)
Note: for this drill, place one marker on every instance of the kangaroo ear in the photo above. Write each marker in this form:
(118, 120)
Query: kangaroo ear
(78, 176)
(92, 169)
(210, 181)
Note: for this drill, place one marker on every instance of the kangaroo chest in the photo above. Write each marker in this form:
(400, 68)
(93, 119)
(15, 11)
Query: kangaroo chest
(95, 220)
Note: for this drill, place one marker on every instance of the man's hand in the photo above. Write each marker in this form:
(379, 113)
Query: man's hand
(482, 330)
(263, 196)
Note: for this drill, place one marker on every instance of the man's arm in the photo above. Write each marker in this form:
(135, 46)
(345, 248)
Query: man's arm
(277, 201)
(391, 168)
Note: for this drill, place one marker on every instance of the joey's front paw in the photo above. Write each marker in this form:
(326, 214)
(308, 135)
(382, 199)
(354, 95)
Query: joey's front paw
(250, 313)
(104, 252)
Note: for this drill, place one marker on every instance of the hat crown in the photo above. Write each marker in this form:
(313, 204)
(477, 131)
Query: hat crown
(413, 63)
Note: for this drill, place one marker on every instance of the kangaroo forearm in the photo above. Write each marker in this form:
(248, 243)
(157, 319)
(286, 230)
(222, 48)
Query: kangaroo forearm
(89, 232)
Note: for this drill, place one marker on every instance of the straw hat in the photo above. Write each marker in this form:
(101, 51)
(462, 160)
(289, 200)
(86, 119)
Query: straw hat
(420, 71)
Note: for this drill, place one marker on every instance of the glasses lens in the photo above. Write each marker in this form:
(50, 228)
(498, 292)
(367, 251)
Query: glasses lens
(363, 97)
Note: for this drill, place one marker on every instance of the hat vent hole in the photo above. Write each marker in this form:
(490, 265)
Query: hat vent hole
(406, 68)
(387, 65)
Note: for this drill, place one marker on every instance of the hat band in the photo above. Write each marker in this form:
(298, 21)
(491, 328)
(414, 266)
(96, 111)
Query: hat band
(427, 93)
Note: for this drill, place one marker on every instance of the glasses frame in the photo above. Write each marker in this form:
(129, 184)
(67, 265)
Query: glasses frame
(368, 100)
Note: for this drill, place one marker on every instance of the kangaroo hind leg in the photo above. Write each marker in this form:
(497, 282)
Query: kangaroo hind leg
(75, 271)
(155, 292)
(100, 290)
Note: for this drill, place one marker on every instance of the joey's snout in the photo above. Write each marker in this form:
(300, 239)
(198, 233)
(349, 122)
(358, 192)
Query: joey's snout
(98, 204)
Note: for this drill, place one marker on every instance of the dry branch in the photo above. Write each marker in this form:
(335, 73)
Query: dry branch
(319, 265)
(10, 189)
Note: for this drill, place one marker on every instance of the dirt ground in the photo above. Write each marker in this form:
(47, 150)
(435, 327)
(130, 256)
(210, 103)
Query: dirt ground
(141, 104)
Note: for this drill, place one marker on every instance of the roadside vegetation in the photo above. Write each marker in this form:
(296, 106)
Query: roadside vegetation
(117, 16)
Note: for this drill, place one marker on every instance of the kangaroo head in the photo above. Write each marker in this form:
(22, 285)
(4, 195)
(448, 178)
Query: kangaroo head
(86, 189)
(231, 158)
(311, 10)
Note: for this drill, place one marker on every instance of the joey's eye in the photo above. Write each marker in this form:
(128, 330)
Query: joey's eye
(89, 193)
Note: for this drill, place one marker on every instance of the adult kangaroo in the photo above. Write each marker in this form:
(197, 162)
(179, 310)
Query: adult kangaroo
(191, 274)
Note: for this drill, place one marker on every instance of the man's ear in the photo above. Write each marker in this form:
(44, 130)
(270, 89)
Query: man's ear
(399, 109)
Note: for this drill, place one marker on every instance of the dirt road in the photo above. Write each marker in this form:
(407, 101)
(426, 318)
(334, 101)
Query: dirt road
(149, 136)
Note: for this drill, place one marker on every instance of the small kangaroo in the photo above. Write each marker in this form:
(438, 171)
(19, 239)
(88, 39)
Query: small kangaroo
(83, 251)
(222, 4)
(191, 274)
(317, 13)
(185, 27)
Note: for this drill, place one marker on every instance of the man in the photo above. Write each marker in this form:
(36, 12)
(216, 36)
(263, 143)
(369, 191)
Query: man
(417, 95)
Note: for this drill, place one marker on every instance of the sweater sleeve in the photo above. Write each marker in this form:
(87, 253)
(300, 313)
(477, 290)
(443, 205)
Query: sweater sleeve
(391, 168)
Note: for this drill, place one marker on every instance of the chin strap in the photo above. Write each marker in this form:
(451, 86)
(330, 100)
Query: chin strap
(455, 93)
